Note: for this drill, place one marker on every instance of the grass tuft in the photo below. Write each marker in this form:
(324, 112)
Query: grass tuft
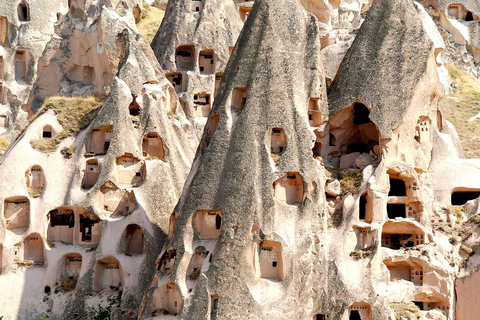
(4, 144)
(364, 253)
(457, 212)
(150, 22)
(406, 310)
(35, 192)
(460, 106)
(74, 114)
(350, 180)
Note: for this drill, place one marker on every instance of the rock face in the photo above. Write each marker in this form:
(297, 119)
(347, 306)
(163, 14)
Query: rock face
(458, 23)
(83, 57)
(231, 238)
(193, 46)
(90, 214)
(25, 28)
(334, 192)
(368, 87)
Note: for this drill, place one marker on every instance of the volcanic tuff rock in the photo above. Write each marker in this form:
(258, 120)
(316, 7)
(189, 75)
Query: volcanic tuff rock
(277, 62)
(193, 46)
(297, 205)
(84, 55)
(25, 28)
(122, 178)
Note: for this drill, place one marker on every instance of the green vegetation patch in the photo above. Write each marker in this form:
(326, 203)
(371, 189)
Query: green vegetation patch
(406, 310)
(457, 211)
(460, 106)
(74, 114)
(105, 313)
(4, 145)
(364, 253)
(350, 180)
(150, 21)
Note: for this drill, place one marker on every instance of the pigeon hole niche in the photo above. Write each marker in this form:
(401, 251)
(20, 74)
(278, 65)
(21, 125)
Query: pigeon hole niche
(317, 147)
(458, 11)
(3, 36)
(366, 237)
(130, 171)
(166, 299)
(35, 181)
(278, 141)
(460, 196)
(352, 131)
(90, 228)
(196, 5)
(423, 132)
(21, 65)
(132, 240)
(176, 79)
(152, 146)
(167, 261)
(212, 127)
(208, 223)
(16, 211)
(239, 100)
(244, 12)
(405, 270)
(91, 173)
(47, 132)
(213, 307)
(360, 311)
(365, 207)
(206, 62)
(218, 80)
(269, 260)
(61, 225)
(196, 262)
(135, 111)
(31, 248)
(184, 58)
(3, 117)
(289, 189)
(70, 268)
(405, 234)
(23, 11)
(107, 274)
(402, 201)
(314, 113)
(113, 201)
(99, 141)
(201, 105)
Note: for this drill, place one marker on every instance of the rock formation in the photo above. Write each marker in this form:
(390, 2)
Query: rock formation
(25, 28)
(327, 182)
(193, 46)
(233, 248)
(89, 208)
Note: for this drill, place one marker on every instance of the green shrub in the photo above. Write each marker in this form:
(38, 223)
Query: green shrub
(101, 313)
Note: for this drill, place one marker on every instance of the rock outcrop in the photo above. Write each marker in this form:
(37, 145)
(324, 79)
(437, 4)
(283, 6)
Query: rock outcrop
(233, 250)
(87, 211)
(326, 182)
(193, 46)
(369, 92)
(25, 29)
